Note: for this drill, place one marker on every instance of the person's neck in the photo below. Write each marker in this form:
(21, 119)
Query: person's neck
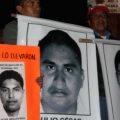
(50, 109)
(12, 114)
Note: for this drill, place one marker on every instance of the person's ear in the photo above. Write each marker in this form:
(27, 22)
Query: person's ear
(39, 80)
(19, 9)
(23, 90)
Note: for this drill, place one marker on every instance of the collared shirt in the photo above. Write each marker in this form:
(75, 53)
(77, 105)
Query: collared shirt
(106, 36)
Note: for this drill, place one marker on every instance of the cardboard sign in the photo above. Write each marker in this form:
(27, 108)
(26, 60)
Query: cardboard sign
(19, 91)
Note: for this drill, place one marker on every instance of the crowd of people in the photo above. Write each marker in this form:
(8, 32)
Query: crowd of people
(97, 19)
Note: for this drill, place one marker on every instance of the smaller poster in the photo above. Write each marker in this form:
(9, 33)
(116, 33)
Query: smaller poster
(110, 60)
(19, 91)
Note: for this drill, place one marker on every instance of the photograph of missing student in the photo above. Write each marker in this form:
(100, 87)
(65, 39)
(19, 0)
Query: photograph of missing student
(12, 90)
(65, 73)
(62, 65)
(112, 63)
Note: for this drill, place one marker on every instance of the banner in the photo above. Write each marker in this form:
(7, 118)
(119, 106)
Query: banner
(19, 91)
(109, 52)
(70, 82)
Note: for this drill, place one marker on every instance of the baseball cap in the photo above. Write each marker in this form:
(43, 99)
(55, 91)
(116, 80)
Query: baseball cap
(94, 9)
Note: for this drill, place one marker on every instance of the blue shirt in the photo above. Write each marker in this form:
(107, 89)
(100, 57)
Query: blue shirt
(107, 35)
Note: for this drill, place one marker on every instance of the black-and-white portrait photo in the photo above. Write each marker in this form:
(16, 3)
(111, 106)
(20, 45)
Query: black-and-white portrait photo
(62, 67)
(11, 89)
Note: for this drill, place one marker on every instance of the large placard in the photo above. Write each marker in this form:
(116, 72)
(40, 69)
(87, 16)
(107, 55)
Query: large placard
(70, 82)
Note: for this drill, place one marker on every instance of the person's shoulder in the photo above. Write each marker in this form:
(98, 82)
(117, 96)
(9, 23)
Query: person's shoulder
(11, 24)
(10, 32)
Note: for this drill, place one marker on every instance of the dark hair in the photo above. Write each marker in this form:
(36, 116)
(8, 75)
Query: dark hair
(59, 37)
(18, 2)
(117, 60)
(11, 74)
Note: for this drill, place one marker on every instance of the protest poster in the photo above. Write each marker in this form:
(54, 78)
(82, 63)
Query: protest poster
(19, 91)
(109, 51)
(70, 85)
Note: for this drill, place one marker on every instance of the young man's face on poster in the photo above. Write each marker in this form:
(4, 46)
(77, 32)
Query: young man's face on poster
(63, 79)
(11, 94)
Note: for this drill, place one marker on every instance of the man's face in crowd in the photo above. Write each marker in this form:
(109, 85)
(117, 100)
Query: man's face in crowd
(62, 77)
(11, 94)
(30, 8)
(98, 21)
(118, 73)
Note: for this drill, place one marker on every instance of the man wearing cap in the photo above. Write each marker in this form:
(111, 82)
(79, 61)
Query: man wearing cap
(23, 7)
(98, 18)
(98, 22)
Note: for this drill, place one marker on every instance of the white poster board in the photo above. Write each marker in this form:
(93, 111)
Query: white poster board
(32, 30)
(108, 50)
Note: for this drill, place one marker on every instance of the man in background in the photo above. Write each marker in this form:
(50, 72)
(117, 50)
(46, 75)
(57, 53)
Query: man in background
(23, 7)
(63, 78)
(11, 92)
(98, 21)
